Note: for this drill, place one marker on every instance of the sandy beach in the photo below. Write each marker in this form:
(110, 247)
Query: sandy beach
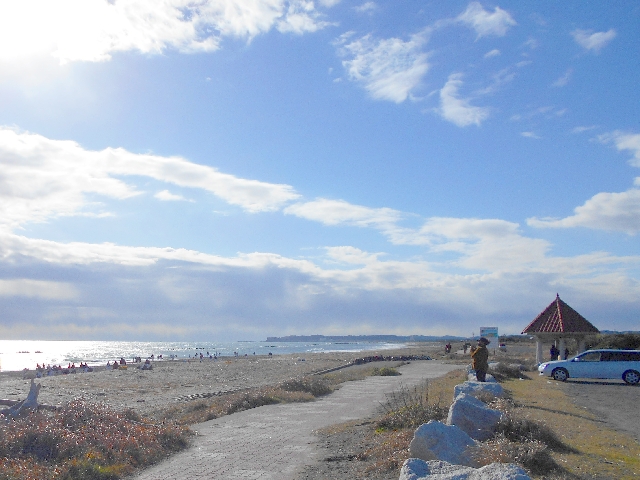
(175, 381)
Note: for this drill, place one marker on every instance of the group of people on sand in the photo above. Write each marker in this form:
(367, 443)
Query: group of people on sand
(50, 370)
(116, 363)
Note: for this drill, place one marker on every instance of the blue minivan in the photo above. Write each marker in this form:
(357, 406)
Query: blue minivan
(605, 364)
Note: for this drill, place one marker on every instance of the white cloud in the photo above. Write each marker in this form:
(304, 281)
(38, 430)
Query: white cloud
(92, 30)
(496, 274)
(366, 7)
(42, 178)
(582, 129)
(593, 41)
(625, 142)
(167, 196)
(44, 289)
(389, 68)
(564, 79)
(529, 135)
(504, 76)
(301, 18)
(458, 110)
(339, 212)
(604, 211)
(492, 53)
(617, 211)
(351, 255)
(485, 23)
(82, 253)
(490, 245)
(480, 244)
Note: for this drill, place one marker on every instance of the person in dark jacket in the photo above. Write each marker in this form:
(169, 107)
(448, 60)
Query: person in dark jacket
(480, 356)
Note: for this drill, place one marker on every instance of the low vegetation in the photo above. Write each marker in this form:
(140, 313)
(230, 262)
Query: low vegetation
(626, 341)
(83, 441)
(385, 372)
(410, 408)
(542, 430)
(295, 390)
(402, 412)
(94, 442)
(588, 449)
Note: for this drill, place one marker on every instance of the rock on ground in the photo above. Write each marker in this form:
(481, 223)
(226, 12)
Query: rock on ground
(489, 378)
(473, 388)
(416, 469)
(473, 417)
(437, 441)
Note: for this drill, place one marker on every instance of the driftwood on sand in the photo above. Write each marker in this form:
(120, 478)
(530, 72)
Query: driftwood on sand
(25, 406)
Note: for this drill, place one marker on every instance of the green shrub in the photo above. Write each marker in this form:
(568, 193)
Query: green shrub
(623, 341)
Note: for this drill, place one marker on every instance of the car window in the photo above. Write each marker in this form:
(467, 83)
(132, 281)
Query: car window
(624, 356)
(590, 357)
(610, 357)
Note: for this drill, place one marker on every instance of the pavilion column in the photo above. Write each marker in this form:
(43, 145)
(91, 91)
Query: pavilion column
(581, 345)
(538, 350)
(562, 345)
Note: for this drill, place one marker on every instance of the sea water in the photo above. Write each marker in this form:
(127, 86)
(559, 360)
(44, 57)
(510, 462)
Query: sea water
(17, 355)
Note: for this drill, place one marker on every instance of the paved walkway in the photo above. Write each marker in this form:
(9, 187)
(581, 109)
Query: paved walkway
(277, 441)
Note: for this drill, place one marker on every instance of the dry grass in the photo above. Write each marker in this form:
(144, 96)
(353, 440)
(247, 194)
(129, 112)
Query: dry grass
(410, 408)
(295, 390)
(385, 372)
(354, 373)
(82, 441)
(542, 430)
(404, 410)
(595, 451)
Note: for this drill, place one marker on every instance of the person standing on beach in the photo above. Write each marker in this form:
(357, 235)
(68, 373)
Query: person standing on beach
(480, 356)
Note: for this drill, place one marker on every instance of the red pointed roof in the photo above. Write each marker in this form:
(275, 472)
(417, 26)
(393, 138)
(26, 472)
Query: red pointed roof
(559, 317)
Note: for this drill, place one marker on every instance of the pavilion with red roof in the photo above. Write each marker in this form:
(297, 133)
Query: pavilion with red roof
(557, 323)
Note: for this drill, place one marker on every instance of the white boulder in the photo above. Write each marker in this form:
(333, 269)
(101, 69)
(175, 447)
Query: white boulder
(488, 379)
(437, 441)
(473, 417)
(416, 469)
(472, 388)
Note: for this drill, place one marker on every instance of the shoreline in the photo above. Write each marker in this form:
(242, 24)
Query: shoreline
(171, 382)
(15, 355)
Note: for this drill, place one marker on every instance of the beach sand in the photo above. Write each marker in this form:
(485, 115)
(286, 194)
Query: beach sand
(172, 382)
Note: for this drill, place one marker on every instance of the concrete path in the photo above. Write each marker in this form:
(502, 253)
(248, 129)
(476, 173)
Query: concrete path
(277, 441)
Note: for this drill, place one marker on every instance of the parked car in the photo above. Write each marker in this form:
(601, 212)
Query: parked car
(624, 364)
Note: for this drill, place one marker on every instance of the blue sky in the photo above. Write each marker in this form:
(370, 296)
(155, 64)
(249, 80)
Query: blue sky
(233, 169)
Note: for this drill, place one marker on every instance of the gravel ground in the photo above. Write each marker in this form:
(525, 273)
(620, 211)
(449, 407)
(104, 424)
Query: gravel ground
(615, 402)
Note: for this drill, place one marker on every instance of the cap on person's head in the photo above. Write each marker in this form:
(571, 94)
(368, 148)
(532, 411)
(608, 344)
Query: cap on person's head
(484, 340)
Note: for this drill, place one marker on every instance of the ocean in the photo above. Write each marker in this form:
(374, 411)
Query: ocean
(16, 355)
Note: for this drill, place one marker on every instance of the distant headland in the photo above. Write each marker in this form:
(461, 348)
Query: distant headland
(363, 338)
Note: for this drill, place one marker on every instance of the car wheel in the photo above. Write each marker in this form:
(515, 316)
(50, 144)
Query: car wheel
(560, 374)
(631, 377)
